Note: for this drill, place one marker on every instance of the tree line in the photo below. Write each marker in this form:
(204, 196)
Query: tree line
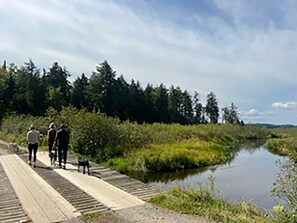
(29, 90)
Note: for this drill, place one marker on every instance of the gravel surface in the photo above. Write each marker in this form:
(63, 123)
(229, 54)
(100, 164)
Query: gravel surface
(146, 213)
(149, 213)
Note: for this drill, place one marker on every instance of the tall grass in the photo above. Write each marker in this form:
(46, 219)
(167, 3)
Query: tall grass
(186, 154)
(14, 128)
(206, 201)
(284, 142)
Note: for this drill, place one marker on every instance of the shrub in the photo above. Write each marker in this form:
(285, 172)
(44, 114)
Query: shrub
(285, 188)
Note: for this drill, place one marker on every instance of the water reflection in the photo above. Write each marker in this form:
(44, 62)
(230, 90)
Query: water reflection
(248, 176)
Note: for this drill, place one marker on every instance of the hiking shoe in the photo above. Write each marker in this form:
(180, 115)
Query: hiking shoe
(64, 167)
(34, 164)
(29, 162)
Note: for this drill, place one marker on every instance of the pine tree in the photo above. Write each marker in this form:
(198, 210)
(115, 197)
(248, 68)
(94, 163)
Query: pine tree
(29, 97)
(57, 78)
(211, 108)
(102, 88)
(161, 104)
(175, 105)
(197, 109)
(230, 114)
(79, 92)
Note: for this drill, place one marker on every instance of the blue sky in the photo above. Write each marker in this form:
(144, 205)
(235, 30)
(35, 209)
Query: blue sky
(245, 51)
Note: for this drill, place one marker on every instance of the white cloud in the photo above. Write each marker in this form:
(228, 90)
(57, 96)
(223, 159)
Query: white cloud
(285, 105)
(253, 112)
(226, 54)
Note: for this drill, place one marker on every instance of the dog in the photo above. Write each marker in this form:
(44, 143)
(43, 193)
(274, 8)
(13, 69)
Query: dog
(84, 163)
(53, 158)
(14, 147)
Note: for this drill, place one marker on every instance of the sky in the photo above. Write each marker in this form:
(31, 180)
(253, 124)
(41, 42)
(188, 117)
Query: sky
(245, 51)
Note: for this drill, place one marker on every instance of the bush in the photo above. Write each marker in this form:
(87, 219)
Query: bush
(285, 188)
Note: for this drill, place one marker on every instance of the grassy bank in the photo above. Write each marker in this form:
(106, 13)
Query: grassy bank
(205, 201)
(284, 142)
(187, 154)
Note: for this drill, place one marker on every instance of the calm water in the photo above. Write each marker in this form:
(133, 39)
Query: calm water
(249, 177)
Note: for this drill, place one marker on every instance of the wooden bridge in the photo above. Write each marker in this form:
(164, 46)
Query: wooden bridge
(51, 194)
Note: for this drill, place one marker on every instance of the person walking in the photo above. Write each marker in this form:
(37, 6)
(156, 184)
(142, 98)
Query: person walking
(33, 137)
(62, 142)
(51, 136)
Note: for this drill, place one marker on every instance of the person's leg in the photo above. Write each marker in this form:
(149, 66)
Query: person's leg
(50, 147)
(65, 157)
(30, 153)
(56, 153)
(35, 148)
(60, 155)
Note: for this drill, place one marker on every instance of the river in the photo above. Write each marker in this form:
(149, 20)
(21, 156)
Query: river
(249, 176)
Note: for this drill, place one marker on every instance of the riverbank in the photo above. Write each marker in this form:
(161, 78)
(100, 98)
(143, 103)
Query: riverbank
(284, 142)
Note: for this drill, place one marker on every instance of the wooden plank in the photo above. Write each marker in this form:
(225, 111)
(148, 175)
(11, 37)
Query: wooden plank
(104, 192)
(35, 212)
(39, 199)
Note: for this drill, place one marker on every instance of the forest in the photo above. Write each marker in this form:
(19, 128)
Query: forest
(30, 90)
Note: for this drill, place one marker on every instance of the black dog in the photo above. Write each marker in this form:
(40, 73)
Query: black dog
(53, 157)
(84, 163)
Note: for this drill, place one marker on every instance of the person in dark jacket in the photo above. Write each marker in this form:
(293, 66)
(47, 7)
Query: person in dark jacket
(62, 142)
(51, 136)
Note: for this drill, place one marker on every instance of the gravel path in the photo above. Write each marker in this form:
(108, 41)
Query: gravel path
(146, 213)
(149, 213)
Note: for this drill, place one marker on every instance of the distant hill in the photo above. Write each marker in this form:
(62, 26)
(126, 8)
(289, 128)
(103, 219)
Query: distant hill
(272, 126)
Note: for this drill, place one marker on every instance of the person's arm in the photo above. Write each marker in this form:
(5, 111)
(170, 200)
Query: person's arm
(56, 140)
(27, 137)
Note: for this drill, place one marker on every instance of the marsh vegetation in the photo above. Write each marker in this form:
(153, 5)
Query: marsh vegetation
(153, 148)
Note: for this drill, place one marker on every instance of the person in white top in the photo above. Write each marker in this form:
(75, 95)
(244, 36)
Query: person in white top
(33, 137)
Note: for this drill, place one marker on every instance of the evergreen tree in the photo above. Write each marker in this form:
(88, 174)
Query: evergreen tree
(175, 105)
(79, 92)
(3, 87)
(211, 108)
(23, 91)
(57, 78)
(187, 108)
(121, 106)
(4, 65)
(102, 88)
(161, 104)
(230, 114)
(197, 107)
(10, 87)
(149, 108)
(30, 95)
(137, 102)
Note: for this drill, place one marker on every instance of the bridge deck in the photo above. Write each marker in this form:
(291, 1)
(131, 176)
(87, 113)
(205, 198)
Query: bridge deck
(50, 194)
(39, 200)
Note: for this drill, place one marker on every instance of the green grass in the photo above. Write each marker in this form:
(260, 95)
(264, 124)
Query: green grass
(205, 201)
(284, 143)
(91, 217)
(187, 154)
